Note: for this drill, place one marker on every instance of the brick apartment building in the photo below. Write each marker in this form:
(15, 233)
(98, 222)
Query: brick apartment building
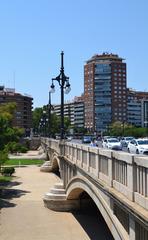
(105, 96)
(23, 114)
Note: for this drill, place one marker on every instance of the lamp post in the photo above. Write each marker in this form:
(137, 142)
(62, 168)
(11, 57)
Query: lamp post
(41, 127)
(44, 121)
(64, 84)
(50, 107)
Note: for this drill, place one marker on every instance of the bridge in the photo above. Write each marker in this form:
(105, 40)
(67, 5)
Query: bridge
(117, 182)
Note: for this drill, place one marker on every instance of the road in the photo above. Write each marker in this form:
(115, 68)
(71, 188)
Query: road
(24, 217)
(99, 144)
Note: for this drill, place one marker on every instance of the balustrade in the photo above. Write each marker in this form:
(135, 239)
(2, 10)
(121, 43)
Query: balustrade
(141, 181)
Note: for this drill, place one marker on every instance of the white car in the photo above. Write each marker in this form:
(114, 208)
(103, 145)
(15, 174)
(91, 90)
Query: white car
(125, 141)
(112, 143)
(138, 146)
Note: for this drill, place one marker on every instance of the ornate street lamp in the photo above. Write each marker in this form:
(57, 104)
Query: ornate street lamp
(64, 85)
(43, 123)
(50, 108)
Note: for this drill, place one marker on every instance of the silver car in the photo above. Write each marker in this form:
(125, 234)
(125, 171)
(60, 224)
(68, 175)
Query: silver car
(125, 140)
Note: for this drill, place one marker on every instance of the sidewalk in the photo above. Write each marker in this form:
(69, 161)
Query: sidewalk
(23, 215)
(29, 155)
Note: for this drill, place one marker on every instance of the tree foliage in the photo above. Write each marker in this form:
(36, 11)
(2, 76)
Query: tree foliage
(54, 125)
(7, 132)
(7, 111)
(80, 130)
(37, 114)
(3, 158)
(124, 129)
(14, 147)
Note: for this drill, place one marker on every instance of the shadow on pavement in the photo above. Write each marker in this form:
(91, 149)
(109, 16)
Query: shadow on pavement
(9, 184)
(7, 194)
(21, 166)
(6, 204)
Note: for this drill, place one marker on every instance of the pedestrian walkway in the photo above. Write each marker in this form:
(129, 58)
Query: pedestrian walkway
(23, 215)
(36, 154)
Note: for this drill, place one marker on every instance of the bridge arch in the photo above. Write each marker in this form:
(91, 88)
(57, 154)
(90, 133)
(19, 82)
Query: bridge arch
(55, 162)
(77, 186)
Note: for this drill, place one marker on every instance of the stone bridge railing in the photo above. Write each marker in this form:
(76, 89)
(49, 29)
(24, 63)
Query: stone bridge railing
(124, 172)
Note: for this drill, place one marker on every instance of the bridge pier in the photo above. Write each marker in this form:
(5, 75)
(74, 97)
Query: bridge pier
(56, 200)
(46, 167)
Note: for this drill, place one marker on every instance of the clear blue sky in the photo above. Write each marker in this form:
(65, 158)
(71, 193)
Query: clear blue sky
(33, 33)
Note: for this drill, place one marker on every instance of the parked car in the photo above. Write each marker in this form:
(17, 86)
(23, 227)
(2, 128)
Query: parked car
(125, 140)
(86, 139)
(106, 137)
(138, 146)
(112, 143)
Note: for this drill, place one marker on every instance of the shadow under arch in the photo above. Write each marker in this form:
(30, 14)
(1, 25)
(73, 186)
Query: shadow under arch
(79, 188)
(55, 164)
(91, 220)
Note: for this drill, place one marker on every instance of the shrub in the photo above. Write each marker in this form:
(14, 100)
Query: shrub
(23, 149)
(8, 171)
(11, 147)
(14, 147)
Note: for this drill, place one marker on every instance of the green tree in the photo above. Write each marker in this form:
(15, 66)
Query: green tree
(67, 124)
(136, 132)
(3, 158)
(37, 114)
(7, 132)
(55, 126)
(14, 147)
(125, 129)
(80, 130)
(55, 121)
(7, 111)
(116, 129)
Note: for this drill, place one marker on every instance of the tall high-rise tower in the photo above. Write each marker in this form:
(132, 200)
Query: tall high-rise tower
(104, 91)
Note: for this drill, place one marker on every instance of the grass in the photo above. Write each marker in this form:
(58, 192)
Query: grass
(19, 162)
(5, 179)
